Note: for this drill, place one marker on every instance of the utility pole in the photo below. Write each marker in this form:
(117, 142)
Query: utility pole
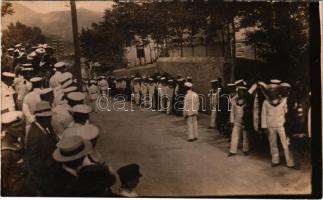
(77, 67)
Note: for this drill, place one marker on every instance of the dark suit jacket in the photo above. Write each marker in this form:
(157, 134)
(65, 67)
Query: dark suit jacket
(41, 165)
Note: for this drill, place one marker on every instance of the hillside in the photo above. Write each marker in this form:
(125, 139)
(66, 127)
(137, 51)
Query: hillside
(54, 23)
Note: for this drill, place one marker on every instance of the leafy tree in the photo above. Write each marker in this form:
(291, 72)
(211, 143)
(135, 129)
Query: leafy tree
(6, 8)
(21, 33)
(279, 35)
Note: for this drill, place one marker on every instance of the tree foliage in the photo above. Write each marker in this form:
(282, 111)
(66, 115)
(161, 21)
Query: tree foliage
(21, 33)
(279, 35)
(6, 8)
(278, 31)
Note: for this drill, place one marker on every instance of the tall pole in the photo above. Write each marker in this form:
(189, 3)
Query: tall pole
(77, 66)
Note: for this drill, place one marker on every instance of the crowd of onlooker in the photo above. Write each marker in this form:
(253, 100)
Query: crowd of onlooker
(48, 139)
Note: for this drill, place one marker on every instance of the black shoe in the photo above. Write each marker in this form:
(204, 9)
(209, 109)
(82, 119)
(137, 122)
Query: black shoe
(246, 153)
(190, 140)
(274, 164)
(231, 154)
(295, 167)
(195, 139)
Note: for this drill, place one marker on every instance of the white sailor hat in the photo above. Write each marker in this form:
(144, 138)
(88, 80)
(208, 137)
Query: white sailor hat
(285, 85)
(59, 65)
(68, 74)
(76, 96)
(263, 84)
(240, 82)
(92, 81)
(35, 79)
(40, 51)
(27, 65)
(102, 77)
(231, 84)
(70, 89)
(150, 79)
(272, 87)
(43, 109)
(10, 49)
(67, 83)
(162, 78)
(8, 74)
(81, 108)
(64, 78)
(46, 91)
(188, 77)
(27, 69)
(241, 88)
(18, 45)
(275, 81)
(188, 84)
(11, 117)
(180, 80)
(170, 80)
(213, 81)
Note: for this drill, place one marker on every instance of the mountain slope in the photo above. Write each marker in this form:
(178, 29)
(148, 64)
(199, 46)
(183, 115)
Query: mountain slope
(56, 23)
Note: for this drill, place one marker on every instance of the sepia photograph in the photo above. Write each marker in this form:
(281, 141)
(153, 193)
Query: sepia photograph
(161, 98)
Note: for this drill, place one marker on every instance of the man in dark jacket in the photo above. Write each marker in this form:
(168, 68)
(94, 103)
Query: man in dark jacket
(41, 143)
(13, 172)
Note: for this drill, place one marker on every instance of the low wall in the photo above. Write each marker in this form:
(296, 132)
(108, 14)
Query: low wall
(201, 69)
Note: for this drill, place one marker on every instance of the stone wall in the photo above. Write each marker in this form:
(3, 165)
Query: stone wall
(201, 69)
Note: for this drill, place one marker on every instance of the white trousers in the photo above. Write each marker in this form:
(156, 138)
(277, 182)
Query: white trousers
(137, 98)
(212, 119)
(93, 105)
(235, 138)
(169, 105)
(192, 127)
(272, 136)
(151, 101)
(145, 99)
(104, 92)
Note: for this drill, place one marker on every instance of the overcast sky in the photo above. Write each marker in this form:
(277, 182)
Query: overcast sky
(49, 6)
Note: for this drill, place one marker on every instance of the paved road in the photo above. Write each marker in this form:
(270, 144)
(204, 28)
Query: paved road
(173, 167)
